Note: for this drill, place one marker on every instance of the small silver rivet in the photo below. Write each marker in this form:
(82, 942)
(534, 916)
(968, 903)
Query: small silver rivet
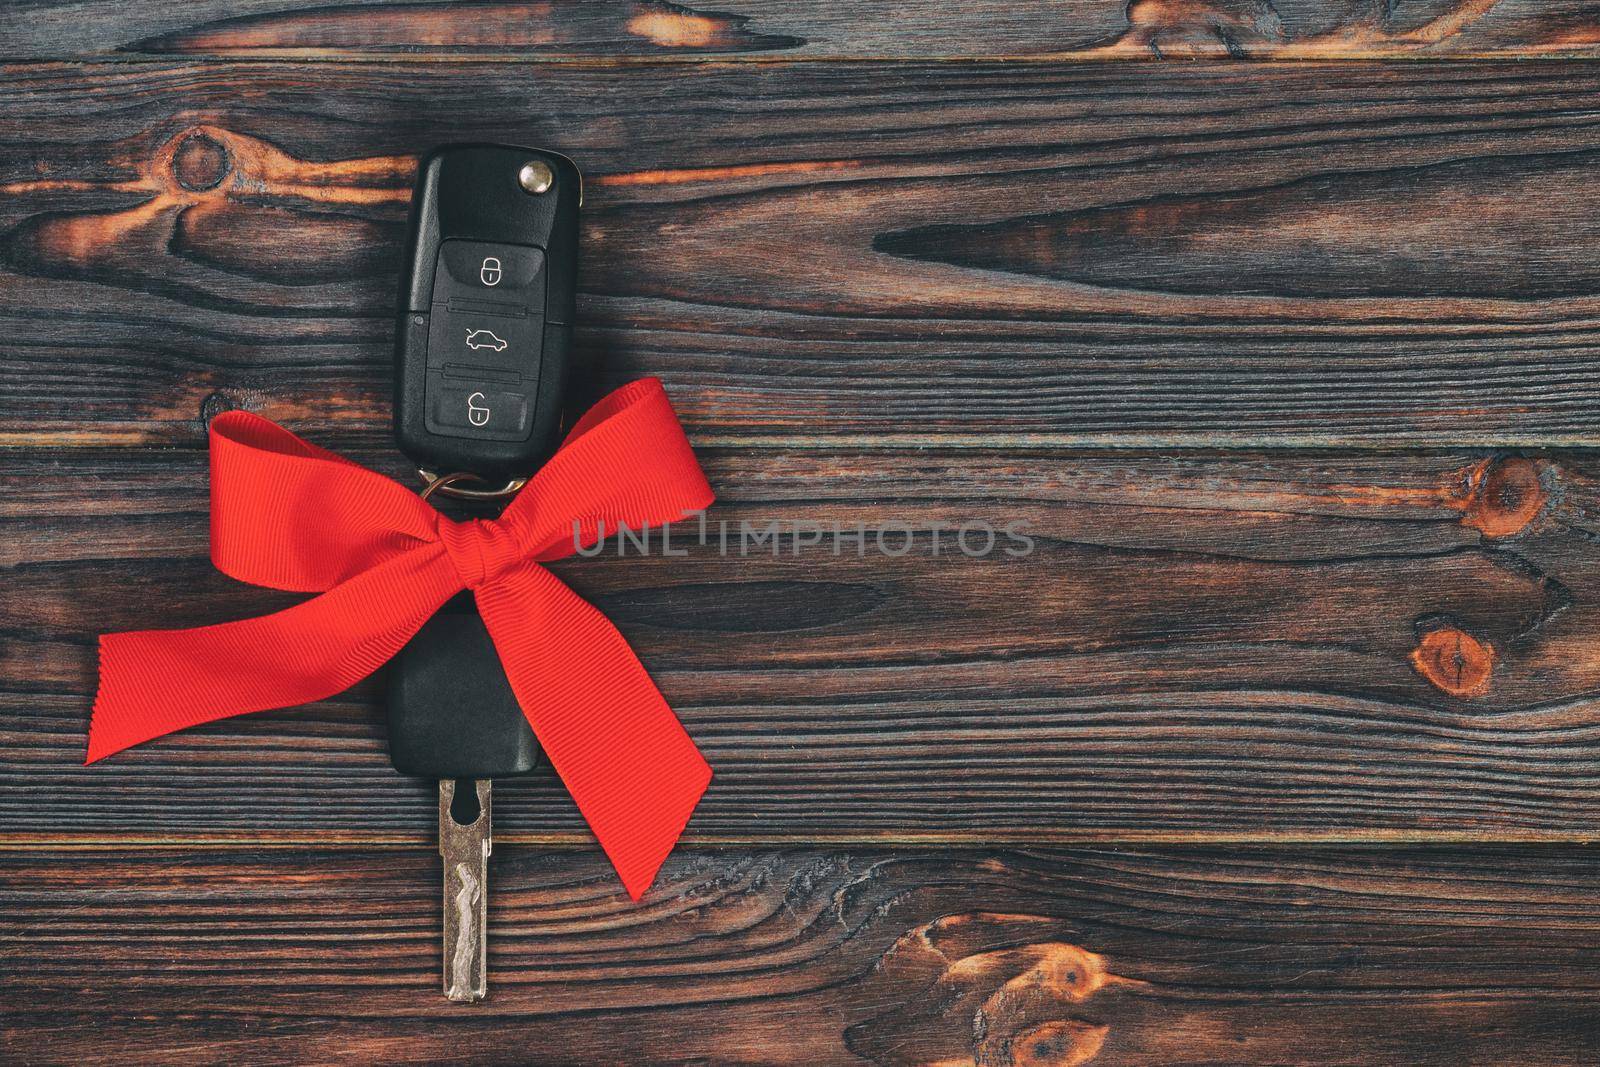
(536, 176)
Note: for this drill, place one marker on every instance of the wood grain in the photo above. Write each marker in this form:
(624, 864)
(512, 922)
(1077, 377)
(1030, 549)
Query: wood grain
(826, 254)
(900, 265)
(765, 30)
(811, 958)
(1224, 646)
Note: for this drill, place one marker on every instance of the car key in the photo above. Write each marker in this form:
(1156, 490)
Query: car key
(481, 357)
(487, 301)
(452, 716)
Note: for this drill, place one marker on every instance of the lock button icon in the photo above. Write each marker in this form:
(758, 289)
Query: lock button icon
(477, 409)
(490, 272)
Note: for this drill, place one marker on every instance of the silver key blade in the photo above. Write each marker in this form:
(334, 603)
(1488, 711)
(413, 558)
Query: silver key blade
(465, 849)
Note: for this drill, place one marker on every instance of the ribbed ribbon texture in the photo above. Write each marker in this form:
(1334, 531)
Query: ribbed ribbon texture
(290, 515)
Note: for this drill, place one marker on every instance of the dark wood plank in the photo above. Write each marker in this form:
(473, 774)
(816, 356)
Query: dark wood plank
(1197, 647)
(912, 254)
(525, 30)
(992, 957)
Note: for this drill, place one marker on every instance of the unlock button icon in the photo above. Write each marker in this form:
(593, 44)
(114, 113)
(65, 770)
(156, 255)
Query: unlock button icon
(477, 409)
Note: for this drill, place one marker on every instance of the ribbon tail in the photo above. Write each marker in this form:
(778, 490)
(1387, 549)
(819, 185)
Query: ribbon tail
(624, 756)
(153, 682)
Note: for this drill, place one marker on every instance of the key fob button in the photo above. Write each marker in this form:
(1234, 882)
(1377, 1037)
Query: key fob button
(478, 409)
(495, 342)
(490, 272)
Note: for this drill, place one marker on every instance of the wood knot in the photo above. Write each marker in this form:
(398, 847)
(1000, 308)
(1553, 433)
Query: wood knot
(200, 163)
(1202, 27)
(1062, 1043)
(986, 990)
(1454, 661)
(215, 404)
(1505, 496)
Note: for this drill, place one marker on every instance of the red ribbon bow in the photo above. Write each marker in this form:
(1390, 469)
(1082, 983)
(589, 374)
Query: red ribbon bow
(290, 515)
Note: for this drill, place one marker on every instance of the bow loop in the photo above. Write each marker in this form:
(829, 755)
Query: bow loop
(290, 515)
(652, 476)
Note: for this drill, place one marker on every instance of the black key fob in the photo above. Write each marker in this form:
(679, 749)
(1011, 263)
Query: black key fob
(451, 710)
(487, 306)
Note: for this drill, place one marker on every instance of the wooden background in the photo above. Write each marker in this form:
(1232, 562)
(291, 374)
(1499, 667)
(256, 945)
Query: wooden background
(1279, 323)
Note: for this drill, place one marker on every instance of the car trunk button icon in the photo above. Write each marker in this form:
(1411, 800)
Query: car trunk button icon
(490, 271)
(477, 339)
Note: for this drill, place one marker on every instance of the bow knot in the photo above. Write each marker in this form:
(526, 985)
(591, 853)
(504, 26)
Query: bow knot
(481, 549)
(290, 515)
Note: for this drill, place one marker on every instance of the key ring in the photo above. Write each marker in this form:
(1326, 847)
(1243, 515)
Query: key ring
(445, 485)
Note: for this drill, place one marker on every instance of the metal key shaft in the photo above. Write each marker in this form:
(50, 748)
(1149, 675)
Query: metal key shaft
(465, 841)
(454, 720)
